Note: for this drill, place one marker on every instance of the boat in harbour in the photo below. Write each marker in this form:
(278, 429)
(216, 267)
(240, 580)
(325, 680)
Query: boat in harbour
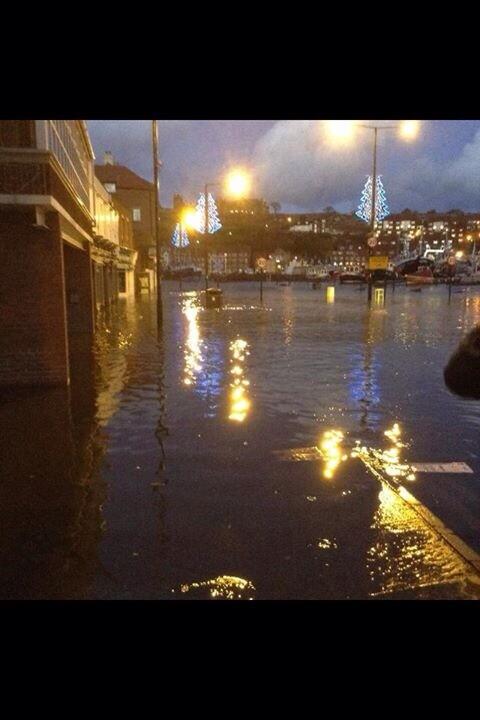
(419, 280)
(352, 277)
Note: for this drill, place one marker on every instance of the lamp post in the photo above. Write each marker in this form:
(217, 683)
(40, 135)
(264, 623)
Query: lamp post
(156, 166)
(236, 184)
(373, 218)
(343, 129)
(207, 185)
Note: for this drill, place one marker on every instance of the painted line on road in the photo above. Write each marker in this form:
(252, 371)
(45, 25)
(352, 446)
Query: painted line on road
(448, 536)
(453, 467)
(311, 454)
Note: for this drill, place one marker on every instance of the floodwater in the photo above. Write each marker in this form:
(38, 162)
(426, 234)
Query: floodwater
(257, 451)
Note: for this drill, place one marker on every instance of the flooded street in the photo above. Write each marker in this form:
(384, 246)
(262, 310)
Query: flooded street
(245, 454)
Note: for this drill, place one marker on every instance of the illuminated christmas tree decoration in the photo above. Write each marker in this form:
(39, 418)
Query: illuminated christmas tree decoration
(214, 223)
(180, 240)
(365, 208)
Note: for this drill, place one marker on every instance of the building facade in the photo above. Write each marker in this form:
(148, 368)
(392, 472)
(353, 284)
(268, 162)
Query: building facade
(48, 235)
(137, 195)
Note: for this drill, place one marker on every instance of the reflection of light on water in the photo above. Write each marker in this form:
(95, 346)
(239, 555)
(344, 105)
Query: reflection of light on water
(193, 356)
(224, 587)
(407, 553)
(394, 433)
(326, 544)
(379, 296)
(330, 447)
(239, 401)
(386, 461)
(330, 294)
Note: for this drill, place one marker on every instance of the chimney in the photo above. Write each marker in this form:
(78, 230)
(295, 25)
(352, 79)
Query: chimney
(108, 158)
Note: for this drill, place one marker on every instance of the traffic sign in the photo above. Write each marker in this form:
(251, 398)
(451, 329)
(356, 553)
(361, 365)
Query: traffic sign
(261, 263)
(378, 262)
(372, 241)
(451, 260)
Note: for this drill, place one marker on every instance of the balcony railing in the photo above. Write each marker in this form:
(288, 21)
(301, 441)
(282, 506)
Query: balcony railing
(34, 172)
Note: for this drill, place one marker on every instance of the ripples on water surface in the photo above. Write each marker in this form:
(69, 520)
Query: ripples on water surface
(160, 473)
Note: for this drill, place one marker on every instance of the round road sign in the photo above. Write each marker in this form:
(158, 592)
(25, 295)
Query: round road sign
(261, 263)
(372, 241)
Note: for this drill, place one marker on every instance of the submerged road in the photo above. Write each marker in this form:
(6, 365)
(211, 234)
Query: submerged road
(259, 451)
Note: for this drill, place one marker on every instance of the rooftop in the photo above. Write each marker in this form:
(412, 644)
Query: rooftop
(124, 178)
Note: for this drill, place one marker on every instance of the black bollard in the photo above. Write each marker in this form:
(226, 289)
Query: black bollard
(261, 286)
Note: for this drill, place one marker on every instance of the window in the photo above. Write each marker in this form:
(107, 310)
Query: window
(137, 215)
(111, 187)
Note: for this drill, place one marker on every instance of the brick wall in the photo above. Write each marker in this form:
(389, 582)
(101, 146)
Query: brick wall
(33, 329)
(143, 230)
(79, 290)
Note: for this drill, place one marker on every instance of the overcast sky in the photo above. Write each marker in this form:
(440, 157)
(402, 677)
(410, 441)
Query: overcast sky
(293, 162)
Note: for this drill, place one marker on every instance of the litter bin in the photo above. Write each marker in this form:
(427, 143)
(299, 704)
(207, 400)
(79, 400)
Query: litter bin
(213, 298)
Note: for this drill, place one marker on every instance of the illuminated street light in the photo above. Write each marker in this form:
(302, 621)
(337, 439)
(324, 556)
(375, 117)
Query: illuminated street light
(189, 218)
(341, 129)
(237, 183)
(344, 130)
(409, 129)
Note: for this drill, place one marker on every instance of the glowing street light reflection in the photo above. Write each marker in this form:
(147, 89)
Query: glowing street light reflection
(330, 447)
(239, 401)
(192, 354)
(386, 461)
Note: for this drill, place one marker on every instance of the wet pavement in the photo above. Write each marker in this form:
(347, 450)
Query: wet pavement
(244, 454)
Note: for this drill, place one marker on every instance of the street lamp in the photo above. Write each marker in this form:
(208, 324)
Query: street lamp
(207, 185)
(156, 167)
(237, 185)
(187, 219)
(343, 130)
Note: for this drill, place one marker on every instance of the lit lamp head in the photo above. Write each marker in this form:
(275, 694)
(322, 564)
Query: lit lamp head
(340, 130)
(237, 183)
(189, 218)
(409, 129)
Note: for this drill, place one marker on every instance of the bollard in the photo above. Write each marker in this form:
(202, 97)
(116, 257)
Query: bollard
(379, 297)
(213, 298)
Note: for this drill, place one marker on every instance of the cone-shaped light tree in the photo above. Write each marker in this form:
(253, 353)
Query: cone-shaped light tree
(180, 237)
(214, 223)
(365, 208)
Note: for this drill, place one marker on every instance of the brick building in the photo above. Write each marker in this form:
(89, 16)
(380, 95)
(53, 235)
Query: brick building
(54, 226)
(137, 195)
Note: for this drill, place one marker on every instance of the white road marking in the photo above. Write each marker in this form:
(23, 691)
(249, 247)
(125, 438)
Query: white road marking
(454, 467)
(311, 454)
